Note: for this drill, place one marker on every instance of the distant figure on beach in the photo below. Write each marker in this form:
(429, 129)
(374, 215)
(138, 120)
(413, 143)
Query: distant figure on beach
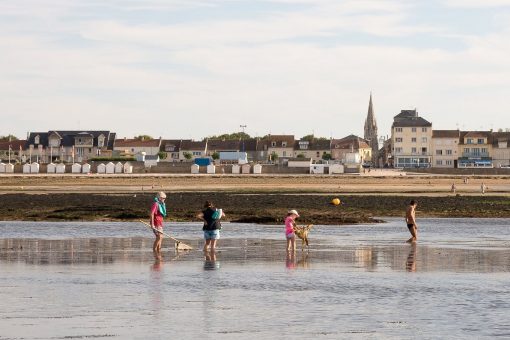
(212, 225)
(454, 188)
(158, 211)
(290, 223)
(483, 187)
(411, 221)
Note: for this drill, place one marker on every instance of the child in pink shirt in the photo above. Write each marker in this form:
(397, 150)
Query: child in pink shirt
(290, 223)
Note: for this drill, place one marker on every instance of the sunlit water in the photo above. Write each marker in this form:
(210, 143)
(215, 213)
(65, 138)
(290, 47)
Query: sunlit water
(87, 280)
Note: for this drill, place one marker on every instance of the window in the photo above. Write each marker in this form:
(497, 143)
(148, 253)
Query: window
(484, 150)
(36, 139)
(439, 152)
(413, 129)
(423, 151)
(424, 139)
(423, 129)
(439, 162)
(284, 144)
(398, 140)
(284, 153)
(476, 151)
(413, 150)
(413, 140)
(469, 141)
(197, 153)
(100, 142)
(398, 150)
(481, 141)
(448, 162)
(398, 129)
(273, 144)
(448, 152)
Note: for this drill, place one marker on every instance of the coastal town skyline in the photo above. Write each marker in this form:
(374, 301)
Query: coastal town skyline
(197, 68)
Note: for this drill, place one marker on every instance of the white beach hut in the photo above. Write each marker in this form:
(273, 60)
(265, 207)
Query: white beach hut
(34, 168)
(195, 169)
(110, 168)
(336, 169)
(127, 168)
(51, 168)
(119, 168)
(211, 169)
(85, 168)
(9, 168)
(26, 168)
(76, 168)
(246, 168)
(317, 169)
(236, 169)
(61, 168)
(257, 169)
(101, 168)
(2, 168)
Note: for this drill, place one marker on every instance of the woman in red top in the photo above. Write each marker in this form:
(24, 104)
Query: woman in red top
(158, 211)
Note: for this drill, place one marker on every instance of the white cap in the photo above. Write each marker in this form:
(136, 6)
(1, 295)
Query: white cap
(294, 212)
(161, 194)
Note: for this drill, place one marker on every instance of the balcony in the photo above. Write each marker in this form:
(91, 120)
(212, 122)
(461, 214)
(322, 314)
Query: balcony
(475, 154)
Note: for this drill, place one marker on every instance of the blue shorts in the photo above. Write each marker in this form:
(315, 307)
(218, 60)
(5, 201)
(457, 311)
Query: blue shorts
(212, 234)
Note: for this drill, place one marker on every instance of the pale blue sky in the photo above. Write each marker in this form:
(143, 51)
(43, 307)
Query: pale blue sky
(193, 68)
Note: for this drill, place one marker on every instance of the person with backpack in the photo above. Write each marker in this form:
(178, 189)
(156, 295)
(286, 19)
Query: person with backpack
(212, 225)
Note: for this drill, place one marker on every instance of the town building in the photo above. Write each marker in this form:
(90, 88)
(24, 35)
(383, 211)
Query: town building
(370, 131)
(12, 149)
(190, 149)
(501, 149)
(351, 149)
(170, 149)
(475, 148)
(130, 147)
(315, 149)
(411, 137)
(69, 146)
(279, 147)
(445, 146)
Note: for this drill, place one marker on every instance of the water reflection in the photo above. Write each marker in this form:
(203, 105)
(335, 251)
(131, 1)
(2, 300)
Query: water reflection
(210, 261)
(369, 258)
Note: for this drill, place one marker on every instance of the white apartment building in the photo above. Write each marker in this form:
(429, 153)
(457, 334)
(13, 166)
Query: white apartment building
(411, 137)
(445, 145)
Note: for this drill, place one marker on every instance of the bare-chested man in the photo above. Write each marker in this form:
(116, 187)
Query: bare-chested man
(411, 221)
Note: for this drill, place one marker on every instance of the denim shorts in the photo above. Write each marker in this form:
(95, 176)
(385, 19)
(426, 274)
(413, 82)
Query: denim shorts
(212, 234)
(290, 235)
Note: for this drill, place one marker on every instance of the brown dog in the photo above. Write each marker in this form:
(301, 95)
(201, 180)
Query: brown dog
(302, 233)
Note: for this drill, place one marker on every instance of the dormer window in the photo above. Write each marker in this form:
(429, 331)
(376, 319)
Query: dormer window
(284, 144)
(100, 141)
(273, 144)
(36, 140)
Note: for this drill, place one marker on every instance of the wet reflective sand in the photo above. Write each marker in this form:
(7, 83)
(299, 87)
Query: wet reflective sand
(100, 280)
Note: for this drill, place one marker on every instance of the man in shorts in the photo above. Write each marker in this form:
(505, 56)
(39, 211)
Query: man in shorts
(411, 221)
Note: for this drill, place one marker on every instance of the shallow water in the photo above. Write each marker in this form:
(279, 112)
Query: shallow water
(100, 280)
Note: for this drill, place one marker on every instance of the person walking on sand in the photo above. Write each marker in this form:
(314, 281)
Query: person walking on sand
(411, 221)
(483, 188)
(212, 225)
(454, 188)
(158, 211)
(290, 223)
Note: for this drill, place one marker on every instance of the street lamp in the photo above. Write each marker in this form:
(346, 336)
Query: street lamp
(242, 127)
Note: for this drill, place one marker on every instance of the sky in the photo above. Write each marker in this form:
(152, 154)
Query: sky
(195, 68)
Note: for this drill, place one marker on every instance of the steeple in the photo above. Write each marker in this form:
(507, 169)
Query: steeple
(371, 130)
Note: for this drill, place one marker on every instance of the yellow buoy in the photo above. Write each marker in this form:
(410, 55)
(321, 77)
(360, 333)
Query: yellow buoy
(335, 201)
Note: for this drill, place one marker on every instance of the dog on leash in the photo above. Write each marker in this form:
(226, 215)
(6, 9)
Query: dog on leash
(302, 233)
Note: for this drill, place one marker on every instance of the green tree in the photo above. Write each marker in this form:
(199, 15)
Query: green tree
(8, 138)
(162, 155)
(215, 156)
(301, 155)
(187, 155)
(326, 156)
(230, 136)
(273, 156)
(143, 137)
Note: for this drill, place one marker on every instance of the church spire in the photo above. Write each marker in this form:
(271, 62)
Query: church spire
(371, 130)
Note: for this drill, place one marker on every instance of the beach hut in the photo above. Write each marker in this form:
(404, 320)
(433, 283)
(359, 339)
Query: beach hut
(236, 169)
(211, 169)
(34, 168)
(9, 168)
(110, 168)
(257, 169)
(76, 168)
(85, 168)
(2, 168)
(26, 168)
(101, 168)
(51, 168)
(246, 168)
(336, 169)
(119, 168)
(127, 168)
(61, 168)
(195, 169)
(317, 169)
